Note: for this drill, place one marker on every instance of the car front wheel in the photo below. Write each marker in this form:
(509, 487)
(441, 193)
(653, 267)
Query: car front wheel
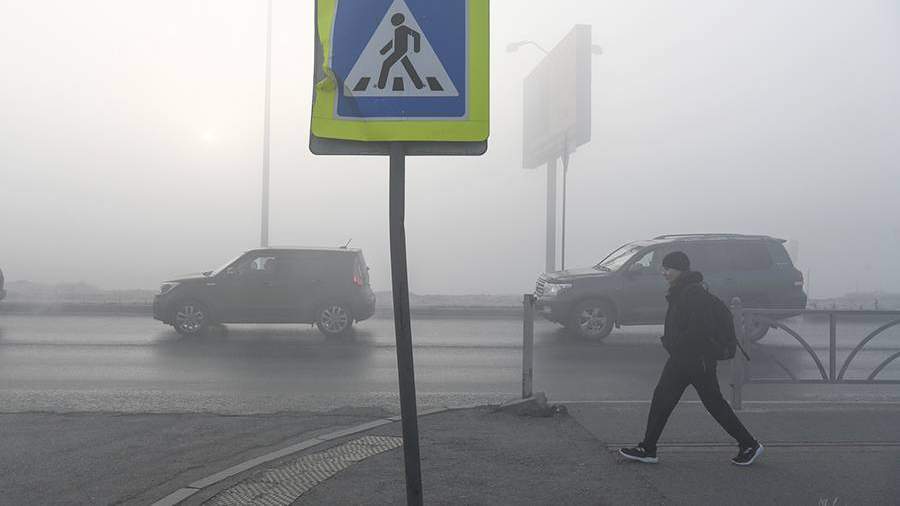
(591, 319)
(191, 318)
(334, 319)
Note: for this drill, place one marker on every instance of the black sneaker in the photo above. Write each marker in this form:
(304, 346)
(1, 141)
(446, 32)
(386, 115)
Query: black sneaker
(746, 455)
(640, 454)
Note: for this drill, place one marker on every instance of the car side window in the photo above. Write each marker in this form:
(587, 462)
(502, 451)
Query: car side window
(695, 253)
(779, 255)
(716, 257)
(644, 263)
(750, 256)
(301, 265)
(257, 265)
(661, 253)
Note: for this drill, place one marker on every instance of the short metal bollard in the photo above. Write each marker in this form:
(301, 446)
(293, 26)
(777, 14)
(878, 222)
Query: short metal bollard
(527, 345)
(738, 363)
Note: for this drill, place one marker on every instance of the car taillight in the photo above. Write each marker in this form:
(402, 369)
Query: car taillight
(358, 281)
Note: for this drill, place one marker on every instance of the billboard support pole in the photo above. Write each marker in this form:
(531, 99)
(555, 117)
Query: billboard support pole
(565, 164)
(550, 264)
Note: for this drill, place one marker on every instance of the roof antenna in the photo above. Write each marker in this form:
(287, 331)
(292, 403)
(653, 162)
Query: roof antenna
(348, 244)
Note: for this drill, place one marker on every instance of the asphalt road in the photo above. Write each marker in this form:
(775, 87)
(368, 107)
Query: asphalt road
(137, 365)
(99, 410)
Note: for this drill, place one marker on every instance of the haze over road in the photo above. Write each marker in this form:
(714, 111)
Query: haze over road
(134, 364)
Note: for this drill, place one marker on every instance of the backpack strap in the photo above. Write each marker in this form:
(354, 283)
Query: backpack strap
(744, 353)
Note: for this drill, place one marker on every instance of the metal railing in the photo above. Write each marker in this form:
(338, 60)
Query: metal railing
(741, 373)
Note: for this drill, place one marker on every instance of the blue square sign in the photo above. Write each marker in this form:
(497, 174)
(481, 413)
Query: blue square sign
(400, 59)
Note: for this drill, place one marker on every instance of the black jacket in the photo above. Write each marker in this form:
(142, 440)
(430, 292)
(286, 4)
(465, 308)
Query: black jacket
(686, 328)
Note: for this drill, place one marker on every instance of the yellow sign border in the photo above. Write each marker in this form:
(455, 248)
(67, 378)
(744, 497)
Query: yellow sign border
(475, 127)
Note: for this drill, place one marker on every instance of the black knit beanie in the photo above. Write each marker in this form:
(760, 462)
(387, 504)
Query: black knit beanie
(677, 260)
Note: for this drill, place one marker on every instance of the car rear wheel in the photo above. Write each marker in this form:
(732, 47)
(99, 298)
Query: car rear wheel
(191, 318)
(591, 319)
(334, 319)
(755, 329)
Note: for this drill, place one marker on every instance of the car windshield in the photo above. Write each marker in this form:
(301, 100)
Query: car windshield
(615, 260)
(218, 271)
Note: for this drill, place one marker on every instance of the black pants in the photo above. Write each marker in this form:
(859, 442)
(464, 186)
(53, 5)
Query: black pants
(676, 376)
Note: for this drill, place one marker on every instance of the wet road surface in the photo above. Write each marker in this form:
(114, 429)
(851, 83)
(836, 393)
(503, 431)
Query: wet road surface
(136, 365)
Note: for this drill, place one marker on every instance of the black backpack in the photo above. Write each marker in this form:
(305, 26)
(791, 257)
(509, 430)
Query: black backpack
(723, 343)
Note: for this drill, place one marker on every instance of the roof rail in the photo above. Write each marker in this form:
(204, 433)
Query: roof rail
(302, 248)
(709, 236)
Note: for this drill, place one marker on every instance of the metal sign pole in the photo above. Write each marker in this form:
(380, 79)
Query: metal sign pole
(402, 328)
(350, 116)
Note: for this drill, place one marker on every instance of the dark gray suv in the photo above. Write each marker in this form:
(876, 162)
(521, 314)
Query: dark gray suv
(328, 287)
(627, 288)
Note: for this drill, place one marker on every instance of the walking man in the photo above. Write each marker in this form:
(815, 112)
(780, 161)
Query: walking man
(400, 46)
(690, 363)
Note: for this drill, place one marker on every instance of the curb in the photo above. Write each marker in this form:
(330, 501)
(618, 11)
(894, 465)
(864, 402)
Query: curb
(185, 492)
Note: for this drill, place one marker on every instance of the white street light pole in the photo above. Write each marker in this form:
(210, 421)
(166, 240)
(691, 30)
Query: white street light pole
(512, 47)
(264, 233)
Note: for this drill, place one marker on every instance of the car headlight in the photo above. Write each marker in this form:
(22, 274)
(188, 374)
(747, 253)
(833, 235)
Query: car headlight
(166, 288)
(553, 289)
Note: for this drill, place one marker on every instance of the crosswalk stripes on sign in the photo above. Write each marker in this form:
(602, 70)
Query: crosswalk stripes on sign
(398, 61)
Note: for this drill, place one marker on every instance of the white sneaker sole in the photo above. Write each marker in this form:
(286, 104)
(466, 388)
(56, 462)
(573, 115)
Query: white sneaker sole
(759, 451)
(645, 460)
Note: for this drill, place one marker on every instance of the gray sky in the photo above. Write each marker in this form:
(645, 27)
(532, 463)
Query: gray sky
(130, 142)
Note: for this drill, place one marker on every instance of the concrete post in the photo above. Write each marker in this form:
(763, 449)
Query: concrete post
(528, 346)
(832, 347)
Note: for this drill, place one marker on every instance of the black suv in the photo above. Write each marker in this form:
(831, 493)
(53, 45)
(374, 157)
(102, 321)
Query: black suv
(627, 287)
(326, 286)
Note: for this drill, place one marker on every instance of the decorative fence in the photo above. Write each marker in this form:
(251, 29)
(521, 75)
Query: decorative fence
(741, 370)
(835, 373)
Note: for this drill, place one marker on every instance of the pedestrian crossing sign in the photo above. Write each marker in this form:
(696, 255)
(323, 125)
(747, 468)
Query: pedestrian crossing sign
(401, 70)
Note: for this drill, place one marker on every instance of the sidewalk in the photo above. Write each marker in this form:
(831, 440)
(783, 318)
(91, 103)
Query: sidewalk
(849, 453)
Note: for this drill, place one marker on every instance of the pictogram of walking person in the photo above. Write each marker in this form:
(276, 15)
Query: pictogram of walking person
(400, 45)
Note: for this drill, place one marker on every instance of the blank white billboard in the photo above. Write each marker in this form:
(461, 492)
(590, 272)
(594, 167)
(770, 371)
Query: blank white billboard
(557, 113)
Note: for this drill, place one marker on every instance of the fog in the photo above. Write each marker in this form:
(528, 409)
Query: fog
(131, 142)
